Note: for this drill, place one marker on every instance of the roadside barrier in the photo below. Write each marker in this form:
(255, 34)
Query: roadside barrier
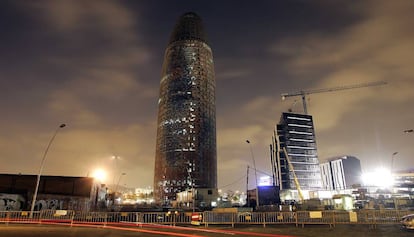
(56, 216)
(19, 217)
(298, 218)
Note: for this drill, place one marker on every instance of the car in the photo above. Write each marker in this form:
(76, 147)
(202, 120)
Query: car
(408, 222)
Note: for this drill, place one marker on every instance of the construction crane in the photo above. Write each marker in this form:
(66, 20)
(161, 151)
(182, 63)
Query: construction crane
(303, 93)
(295, 178)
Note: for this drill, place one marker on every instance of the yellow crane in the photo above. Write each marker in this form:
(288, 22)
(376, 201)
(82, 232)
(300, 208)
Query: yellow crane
(304, 93)
(295, 178)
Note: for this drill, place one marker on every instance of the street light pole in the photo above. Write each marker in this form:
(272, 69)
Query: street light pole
(119, 180)
(247, 188)
(41, 169)
(117, 185)
(255, 173)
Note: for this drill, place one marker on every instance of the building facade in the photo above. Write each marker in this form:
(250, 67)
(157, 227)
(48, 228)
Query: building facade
(295, 134)
(340, 173)
(327, 180)
(186, 156)
(55, 192)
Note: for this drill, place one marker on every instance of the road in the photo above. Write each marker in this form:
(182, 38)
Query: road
(17, 230)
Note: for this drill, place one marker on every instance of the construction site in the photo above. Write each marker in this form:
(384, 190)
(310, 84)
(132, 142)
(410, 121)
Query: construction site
(304, 183)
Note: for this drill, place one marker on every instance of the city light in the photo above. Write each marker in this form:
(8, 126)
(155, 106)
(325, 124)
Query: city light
(99, 175)
(265, 181)
(381, 177)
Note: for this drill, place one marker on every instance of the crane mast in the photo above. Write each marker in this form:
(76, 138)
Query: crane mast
(295, 178)
(304, 93)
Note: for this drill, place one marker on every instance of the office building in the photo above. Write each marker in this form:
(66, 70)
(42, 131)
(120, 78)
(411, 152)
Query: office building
(295, 134)
(186, 156)
(340, 173)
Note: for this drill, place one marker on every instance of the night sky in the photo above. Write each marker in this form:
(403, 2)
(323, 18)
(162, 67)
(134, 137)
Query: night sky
(96, 66)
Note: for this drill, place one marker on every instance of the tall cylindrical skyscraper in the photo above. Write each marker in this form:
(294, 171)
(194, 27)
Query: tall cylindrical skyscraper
(186, 156)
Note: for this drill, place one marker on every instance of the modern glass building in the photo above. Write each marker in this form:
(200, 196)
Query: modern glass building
(340, 173)
(295, 133)
(186, 156)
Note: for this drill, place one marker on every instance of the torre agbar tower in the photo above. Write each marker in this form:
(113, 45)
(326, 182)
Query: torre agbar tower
(186, 156)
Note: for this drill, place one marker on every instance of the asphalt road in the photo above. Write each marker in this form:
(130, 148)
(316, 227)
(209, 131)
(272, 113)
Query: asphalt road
(14, 230)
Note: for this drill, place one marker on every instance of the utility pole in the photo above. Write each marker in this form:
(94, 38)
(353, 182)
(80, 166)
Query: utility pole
(247, 187)
(255, 174)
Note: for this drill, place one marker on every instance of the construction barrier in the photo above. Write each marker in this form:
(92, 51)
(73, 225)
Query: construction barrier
(57, 216)
(298, 218)
(19, 217)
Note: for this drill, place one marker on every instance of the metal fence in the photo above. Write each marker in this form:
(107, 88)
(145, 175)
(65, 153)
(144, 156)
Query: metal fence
(298, 218)
(331, 218)
(56, 216)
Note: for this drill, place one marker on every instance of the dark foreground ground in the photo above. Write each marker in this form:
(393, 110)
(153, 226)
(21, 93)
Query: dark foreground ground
(18, 230)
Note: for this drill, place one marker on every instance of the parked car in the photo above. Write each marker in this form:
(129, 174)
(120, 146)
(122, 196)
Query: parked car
(408, 222)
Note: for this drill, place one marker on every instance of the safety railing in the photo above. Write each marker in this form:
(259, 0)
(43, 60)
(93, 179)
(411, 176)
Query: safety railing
(302, 218)
(18, 217)
(55, 216)
(298, 218)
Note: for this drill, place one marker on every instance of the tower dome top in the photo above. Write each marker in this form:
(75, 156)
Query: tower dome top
(189, 27)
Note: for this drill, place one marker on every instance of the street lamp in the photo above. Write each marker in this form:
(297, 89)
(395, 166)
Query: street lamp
(255, 173)
(392, 160)
(41, 169)
(119, 180)
(117, 185)
(247, 187)
(99, 175)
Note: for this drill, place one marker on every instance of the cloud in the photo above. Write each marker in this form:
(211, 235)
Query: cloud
(92, 65)
(88, 98)
(75, 16)
(374, 49)
(226, 74)
(254, 120)
(101, 34)
(385, 29)
(235, 136)
(374, 39)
